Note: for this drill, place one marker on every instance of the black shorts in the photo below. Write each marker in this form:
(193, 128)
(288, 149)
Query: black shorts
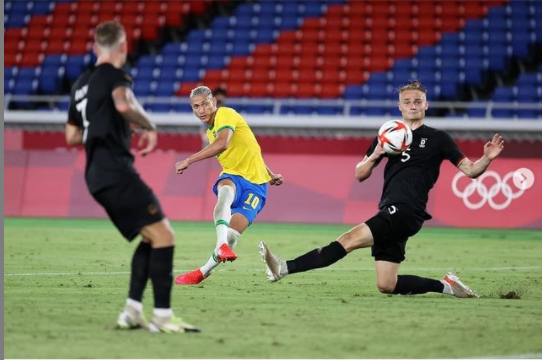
(131, 205)
(391, 227)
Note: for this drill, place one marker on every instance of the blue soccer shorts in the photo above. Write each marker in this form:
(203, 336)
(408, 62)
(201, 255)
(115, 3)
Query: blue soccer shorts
(249, 197)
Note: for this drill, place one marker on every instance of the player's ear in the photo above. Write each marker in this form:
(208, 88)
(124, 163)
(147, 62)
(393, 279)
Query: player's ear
(124, 46)
(426, 104)
(96, 49)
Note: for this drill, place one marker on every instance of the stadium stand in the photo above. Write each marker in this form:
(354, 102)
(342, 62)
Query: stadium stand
(346, 50)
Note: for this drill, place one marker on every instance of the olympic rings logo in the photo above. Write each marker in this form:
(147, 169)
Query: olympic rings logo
(487, 195)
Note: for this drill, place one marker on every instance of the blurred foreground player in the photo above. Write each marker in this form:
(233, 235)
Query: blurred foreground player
(102, 110)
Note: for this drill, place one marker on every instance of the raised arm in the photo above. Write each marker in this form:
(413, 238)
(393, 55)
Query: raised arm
(221, 143)
(492, 149)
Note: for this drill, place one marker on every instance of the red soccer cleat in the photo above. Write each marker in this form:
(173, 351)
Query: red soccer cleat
(225, 253)
(193, 277)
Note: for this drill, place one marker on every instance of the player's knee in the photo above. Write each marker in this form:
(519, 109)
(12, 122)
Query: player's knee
(386, 286)
(352, 240)
(226, 196)
(160, 234)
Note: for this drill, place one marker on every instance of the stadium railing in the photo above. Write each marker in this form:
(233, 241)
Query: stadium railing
(277, 118)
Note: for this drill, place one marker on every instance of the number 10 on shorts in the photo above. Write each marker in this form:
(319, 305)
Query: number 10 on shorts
(252, 200)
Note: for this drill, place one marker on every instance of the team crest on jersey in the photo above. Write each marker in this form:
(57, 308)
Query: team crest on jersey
(152, 209)
(422, 142)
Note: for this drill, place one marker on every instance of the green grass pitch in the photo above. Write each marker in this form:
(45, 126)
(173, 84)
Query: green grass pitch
(65, 281)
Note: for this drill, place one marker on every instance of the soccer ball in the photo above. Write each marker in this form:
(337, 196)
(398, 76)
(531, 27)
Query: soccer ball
(395, 137)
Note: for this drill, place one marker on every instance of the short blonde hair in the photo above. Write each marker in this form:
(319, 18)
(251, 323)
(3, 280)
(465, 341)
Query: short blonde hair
(413, 85)
(201, 90)
(109, 33)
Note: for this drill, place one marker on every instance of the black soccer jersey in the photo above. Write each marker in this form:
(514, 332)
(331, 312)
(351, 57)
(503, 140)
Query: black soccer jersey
(106, 134)
(410, 176)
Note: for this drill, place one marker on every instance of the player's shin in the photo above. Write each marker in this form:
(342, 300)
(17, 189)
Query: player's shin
(317, 258)
(233, 236)
(161, 275)
(412, 285)
(140, 271)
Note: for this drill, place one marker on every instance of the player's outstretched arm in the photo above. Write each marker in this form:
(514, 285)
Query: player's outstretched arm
(492, 149)
(365, 167)
(221, 143)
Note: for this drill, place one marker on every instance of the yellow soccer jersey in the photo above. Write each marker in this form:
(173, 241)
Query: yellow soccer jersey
(243, 156)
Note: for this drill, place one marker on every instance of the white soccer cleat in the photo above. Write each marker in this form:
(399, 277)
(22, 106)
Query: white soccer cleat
(170, 325)
(131, 318)
(276, 268)
(458, 289)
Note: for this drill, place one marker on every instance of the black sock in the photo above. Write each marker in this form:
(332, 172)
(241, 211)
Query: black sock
(161, 274)
(317, 258)
(140, 271)
(412, 285)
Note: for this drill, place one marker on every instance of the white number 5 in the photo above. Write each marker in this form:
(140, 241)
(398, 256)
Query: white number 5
(406, 156)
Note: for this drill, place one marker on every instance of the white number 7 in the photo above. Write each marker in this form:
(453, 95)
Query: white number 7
(82, 108)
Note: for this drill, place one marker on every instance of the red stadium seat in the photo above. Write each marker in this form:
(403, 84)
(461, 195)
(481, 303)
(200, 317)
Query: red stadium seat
(331, 90)
(30, 59)
(238, 89)
(11, 59)
(64, 10)
(88, 7)
(260, 89)
(307, 90)
(59, 33)
(12, 46)
(283, 90)
(55, 46)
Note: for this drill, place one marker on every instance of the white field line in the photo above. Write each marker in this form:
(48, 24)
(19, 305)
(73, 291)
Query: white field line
(506, 268)
(519, 356)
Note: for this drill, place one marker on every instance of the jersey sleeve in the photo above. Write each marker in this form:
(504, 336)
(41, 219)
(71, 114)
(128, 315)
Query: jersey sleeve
(371, 147)
(450, 150)
(118, 77)
(227, 119)
(74, 116)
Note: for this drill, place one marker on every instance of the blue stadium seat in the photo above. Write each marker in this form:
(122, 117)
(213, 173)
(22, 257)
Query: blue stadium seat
(145, 74)
(53, 60)
(15, 20)
(264, 36)
(165, 88)
(75, 65)
(289, 22)
(216, 61)
(143, 87)
(353, 92)
(50, 79)
(20, 7)
(27, 73)
(258, 109)
(504, 94)
(42, 7)
(329, 110)
(502, 113)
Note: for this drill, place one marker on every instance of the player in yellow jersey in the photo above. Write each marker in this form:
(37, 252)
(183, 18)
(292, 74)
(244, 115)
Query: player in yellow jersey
(241, 188)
